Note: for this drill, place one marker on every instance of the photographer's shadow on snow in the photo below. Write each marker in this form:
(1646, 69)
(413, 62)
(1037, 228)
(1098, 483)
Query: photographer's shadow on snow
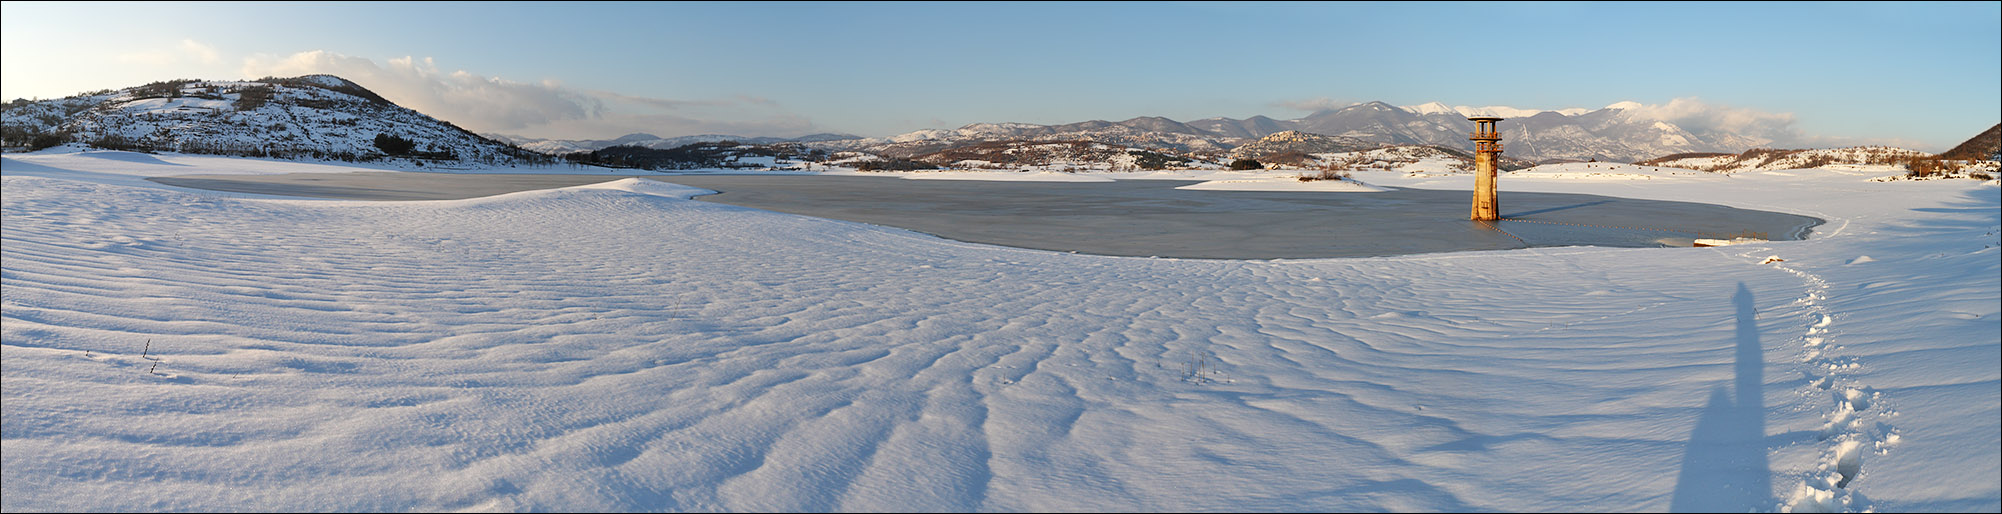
(1724, 467)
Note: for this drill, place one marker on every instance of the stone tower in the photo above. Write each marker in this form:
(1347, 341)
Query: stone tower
(1487, 149)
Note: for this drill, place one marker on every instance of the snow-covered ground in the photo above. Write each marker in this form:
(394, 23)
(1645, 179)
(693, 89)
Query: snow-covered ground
(620, 347)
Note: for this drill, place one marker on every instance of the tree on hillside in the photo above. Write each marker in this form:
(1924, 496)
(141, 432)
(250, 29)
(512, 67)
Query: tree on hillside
(394, 145)
(250, 98)
(46, 140)
(1246, 164)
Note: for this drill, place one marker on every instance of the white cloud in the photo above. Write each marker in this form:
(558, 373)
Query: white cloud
(187, 51)
(545, 109)
(1313, 105)
(668, 125)
(201, 53)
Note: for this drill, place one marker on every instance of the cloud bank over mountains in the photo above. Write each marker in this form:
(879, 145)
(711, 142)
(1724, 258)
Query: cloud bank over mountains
(1695, 115)
(539, 109)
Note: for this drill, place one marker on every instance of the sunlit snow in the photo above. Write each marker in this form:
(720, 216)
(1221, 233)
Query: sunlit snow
(622, 347)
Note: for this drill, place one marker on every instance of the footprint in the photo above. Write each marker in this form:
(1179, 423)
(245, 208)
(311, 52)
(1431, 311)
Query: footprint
(1848, 462)
(1858, 399)
(1845, 419)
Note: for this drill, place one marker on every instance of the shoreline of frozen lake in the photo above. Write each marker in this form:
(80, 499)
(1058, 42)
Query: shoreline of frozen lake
(1135, 218)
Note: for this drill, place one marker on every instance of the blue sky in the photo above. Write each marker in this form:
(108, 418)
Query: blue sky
(1921, 75)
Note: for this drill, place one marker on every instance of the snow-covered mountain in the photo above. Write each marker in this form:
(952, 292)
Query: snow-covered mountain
(1618, 132)
(1493, 110)
(314, 116)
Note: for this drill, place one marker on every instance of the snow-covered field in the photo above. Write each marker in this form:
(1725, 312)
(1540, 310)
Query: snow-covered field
(620, 347)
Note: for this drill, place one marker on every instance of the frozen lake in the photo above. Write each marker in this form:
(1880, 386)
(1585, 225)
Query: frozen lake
(1126, 217)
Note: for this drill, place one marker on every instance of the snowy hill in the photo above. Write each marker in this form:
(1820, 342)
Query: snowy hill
(1984, 146)
(1296, 142)
(315, 116)
(1878, 158)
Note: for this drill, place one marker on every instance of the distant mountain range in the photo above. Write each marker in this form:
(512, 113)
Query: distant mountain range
(323, 116)
(1619, 132)
(571, 146)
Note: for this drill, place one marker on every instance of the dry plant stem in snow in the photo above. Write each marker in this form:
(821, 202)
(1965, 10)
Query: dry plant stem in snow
(1326, 174)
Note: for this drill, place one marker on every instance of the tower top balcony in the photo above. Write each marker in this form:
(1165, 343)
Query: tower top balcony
(1484, 128)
